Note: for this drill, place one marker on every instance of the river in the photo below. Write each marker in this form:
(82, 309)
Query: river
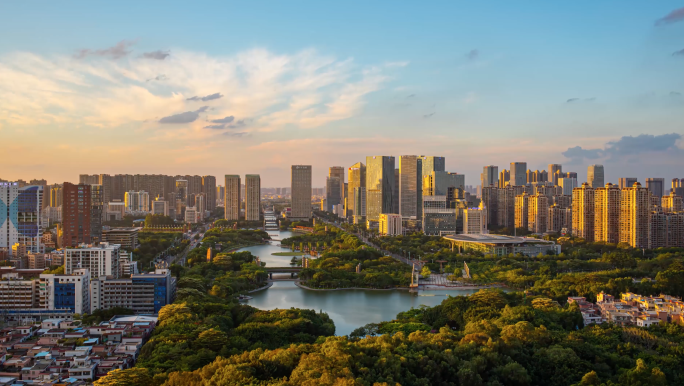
(349, 309)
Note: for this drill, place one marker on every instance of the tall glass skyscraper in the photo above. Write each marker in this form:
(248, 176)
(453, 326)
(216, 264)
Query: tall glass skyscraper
(432, 164)
(379, 185)
(357, 179)
(410, 186)
(20, 221)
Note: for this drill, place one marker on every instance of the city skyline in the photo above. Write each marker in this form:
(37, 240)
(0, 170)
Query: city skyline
(152, 98)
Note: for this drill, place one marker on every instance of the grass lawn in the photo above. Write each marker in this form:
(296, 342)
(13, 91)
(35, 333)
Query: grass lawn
(287, 254)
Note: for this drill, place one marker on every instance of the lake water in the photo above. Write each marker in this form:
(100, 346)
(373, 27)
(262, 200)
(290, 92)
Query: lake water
(348, 308)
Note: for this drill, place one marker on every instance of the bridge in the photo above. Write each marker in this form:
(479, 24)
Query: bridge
(291, 270)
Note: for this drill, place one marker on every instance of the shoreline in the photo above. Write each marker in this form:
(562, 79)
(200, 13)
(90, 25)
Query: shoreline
(267, 286)
(428, 288)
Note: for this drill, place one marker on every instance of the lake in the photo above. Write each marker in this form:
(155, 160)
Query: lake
(348, 308)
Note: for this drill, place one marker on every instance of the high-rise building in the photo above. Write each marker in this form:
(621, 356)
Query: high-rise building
(518, 173)
(390, 224)
(395, 192)
(504, 178)
(338, 171)
(432, 164)
(672, 203)
(555, 172)
(357, 179)
(359, 208)
(379, 186)
(76, 214)
(190, 215)
(522, 210)
(89, 179)
(220, 194)
(505, 216)
(56, 196)
(252, 197)
(410, 186)
(678, 187)
(438, 183)
(595, 176)
(475, 221)
(97, 212)
(607, 214)
(635, 204)
(332, 193)
(160, 207)
(490, 201)
(301, 192)
(537, 213)
(537, 177)
(490, 176)
(559, 219)
(627, 182)
(209, 190)
(20, 216)
(666, 230)
(137, 201)
(583, 212)
(656, 186)
(568, 185)
(99, 260)
(232, 200)
(438, 219)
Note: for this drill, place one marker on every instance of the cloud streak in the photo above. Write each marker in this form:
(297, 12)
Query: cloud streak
(156, 55)
(119, 50)
(673, 17)
(473, 54)
(678, 53)
(186, 117)
(206, 98)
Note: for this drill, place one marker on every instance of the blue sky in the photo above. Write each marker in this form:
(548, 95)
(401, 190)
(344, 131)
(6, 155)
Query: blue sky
(326, 83)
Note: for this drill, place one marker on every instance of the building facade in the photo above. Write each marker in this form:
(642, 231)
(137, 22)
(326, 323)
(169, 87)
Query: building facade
(356, 176)
(518, 173)
(595, 176)
(607, 214)
(410, 186)
(390, 224)
(232, 199)
(583, 212)
(252, 197)
(635, 210)
(379, 186)
(20, 216)
(99, 260)
(301, 192)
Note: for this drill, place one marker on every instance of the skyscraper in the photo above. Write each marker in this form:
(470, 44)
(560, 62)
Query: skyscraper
(252, 197)
(595, 176)
(20, 220)
(555, 172)
(627, 182)
(338, 171)
(672, 203)
(568, 184)
(522, 207)
(232, 200)
(538, 212)
(97, 212)
(607, 214)
(56, 196)
(438, 183)
(635, 204)
(357, 179)
(518, 173)
(379, 186)
(181, 197)
(504, 178)
(76, 214)
(301, 192)
(410, 189)
(332, 193)
(490, 176)
(432, 164)
(583, 212)
(209, 190)
(656, 186)
(490, 201)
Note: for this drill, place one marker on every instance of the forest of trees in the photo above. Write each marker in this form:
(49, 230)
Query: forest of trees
(341, 253)
(526, 337)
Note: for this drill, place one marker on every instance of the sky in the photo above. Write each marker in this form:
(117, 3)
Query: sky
(215, 88)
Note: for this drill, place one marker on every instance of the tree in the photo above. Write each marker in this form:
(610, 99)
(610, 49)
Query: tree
(425, 272)
(212, 339)
(642, 375)
(136, 376)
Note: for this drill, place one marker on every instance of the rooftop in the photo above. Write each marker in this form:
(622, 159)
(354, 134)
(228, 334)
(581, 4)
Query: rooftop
(495, 239)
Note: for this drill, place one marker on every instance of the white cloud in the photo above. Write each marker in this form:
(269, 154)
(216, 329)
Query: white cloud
(305, 89)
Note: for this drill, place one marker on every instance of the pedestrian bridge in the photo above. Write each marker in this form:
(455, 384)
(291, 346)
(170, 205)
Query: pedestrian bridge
(291, 270)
